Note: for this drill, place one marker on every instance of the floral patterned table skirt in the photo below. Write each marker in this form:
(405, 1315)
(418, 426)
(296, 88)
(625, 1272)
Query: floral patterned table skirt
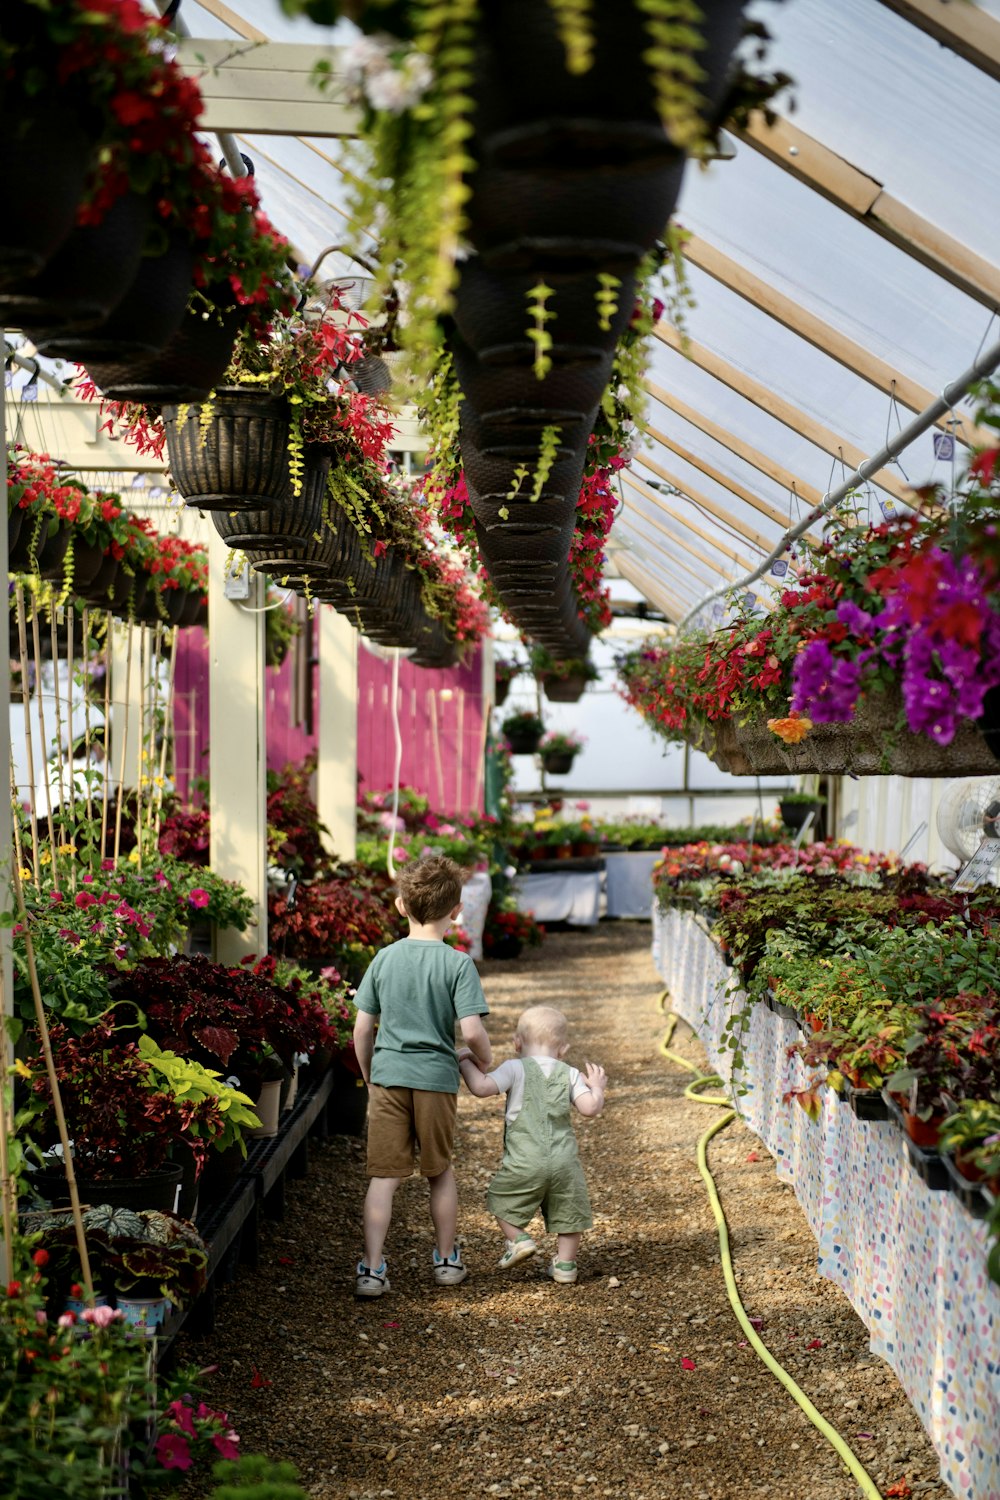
(911, 1261)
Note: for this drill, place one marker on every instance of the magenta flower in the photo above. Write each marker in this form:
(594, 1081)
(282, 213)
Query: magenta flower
(107, 864)
(172, 1451)
(181, 1414)
(85, 899)
(227, 1444)
(198, 897)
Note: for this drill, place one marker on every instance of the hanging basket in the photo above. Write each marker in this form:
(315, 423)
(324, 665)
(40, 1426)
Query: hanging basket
(523, 743)
(491, 312)
(870, 745)
(238, 460)
(509, 541)
(558, 762)
(569, 689)
(101, 587)
(191, 365)
(294, 536)
(490, 473)
(143, 319)
(88, 562)
(45, 154)
(550, 219)
(558, 116)
(498, 392)
(88, 275)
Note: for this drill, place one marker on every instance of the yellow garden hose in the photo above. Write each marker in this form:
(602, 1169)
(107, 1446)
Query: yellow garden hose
(865, 1482)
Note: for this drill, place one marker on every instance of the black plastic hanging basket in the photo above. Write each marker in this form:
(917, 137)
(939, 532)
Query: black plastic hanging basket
(192, 363)
(238, 459)
(45, 153)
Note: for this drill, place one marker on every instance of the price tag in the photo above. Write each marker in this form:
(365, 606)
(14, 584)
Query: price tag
(979, 868)
(888, 508)
(944, 445)
(779, 568)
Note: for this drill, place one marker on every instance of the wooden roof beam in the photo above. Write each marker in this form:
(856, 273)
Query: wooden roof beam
(776, 406)
(702, 559)
(807, 493)
(655, 498)
(823, 336)
(755, 538)
(965, 29)
(650, 587)
(845, 185)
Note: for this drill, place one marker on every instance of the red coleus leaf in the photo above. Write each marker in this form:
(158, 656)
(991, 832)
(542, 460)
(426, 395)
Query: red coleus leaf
(218, 1039)
(815, 1344)
(688, 1364)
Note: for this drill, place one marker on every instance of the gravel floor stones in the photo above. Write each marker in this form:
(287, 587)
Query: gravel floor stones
(636, 1382)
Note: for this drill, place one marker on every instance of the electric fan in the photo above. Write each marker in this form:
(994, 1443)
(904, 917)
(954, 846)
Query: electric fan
(968, 812)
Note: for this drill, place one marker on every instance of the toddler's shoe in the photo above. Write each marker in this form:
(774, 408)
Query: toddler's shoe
(517, 1250)
(450, 1272)
(369, 1283)
(563, 1271)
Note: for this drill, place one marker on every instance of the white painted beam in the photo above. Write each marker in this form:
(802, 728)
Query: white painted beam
(337, 763)
(267, 88)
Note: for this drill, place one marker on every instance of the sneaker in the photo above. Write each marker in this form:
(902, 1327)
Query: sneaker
(368, 1283)
(517, 1250)
(563, 1271)
(450, 1272)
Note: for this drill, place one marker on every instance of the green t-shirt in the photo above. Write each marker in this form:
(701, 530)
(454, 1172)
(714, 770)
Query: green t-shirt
(418, 990)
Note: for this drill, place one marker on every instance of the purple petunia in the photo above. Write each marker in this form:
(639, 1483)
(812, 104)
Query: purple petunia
(825, 687)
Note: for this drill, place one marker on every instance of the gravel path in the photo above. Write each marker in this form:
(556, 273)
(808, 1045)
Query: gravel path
(511, 1386)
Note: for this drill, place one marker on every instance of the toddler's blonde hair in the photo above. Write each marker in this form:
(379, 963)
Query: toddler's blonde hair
(543, 1025)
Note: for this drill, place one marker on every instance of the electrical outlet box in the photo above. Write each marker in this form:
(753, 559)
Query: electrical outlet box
(237, 585)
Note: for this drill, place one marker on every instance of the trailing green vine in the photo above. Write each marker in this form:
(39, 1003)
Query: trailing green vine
(572, 18)
(606, 298)
(539, 335)
(548, 448)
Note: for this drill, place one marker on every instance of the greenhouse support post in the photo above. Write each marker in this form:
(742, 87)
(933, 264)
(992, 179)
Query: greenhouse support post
(984, 365)
(337, 758)
(6, 847)
(237, 763)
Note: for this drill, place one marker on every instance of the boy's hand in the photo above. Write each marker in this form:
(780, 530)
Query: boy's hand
(463, 1053)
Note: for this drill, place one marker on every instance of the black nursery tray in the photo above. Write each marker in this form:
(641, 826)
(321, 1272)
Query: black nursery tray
(786, 1012)
(585, 866)
(928, 1165)
(972, 1195)
(867, 1104)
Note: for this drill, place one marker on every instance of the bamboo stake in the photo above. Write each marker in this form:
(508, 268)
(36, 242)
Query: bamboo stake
(40, 705)
(54, 637)
(86, 713)
(121, 774)
(50, 1068)
(71, 759)
(8, 1195)
(141, 754)
(155, 721)
(106, 784)
(436, 742)
(460, 749)
(168, 725)
(22, 632)
(481, 759)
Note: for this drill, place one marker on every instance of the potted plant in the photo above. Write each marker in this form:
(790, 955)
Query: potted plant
(124, 1120)
(562, 681)
(505, 669)
(559, 841)
(972, 1135)
(523, 732)
(953, 1054)
(508, 930)
(558, 752)
(795, 808)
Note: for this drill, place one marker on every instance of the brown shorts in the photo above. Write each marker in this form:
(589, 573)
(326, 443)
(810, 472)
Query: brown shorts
(402, 1121)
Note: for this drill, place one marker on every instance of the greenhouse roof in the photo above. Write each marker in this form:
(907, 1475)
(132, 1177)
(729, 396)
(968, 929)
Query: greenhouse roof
(818, 328)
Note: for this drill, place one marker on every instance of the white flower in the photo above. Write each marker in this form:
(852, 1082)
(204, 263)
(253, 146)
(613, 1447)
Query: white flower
(387, 90)
(369, 54)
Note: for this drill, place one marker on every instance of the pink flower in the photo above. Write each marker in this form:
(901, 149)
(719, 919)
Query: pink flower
(227, 1444)
(198, 897)
(101, 1317)
(67, 1320)
(107, 864)
(85, 899)
(40, 1318)
(55, 897)
(87, 879)
(172, 1451)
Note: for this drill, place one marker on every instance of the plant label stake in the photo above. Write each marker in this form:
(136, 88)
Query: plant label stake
(979, 868)
(800, 837)
(911, 840)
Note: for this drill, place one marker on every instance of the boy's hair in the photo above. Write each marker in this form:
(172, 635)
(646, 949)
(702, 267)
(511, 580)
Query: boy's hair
(430, 888)
(543, 1025)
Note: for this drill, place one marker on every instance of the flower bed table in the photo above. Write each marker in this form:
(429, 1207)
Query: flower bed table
(912, 1261)
(565, 890)
(627, 882)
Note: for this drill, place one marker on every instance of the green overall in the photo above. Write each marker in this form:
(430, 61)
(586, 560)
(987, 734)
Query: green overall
(541, 1166)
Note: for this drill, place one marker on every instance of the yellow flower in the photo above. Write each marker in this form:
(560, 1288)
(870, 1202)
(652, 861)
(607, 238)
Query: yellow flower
(67, 848)
(21, 1069)
(792, 730)
(26, 874)
(133, 858)
(45, 857)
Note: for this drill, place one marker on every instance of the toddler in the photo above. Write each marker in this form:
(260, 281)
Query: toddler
(541, 1167)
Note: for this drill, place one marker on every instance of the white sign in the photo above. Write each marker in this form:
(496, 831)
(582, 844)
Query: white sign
(237, 584)
(979, 868)
(944, 445)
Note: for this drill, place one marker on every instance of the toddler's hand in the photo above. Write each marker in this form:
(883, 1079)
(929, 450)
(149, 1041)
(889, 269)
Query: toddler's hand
(463, 1053)
(595, 1076)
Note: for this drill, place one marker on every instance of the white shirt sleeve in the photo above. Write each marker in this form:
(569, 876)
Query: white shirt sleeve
(577, 1085)
(507, 1075)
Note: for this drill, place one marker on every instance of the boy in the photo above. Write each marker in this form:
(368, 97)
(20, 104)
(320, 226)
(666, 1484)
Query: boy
(541, 1166)
(416, 989)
